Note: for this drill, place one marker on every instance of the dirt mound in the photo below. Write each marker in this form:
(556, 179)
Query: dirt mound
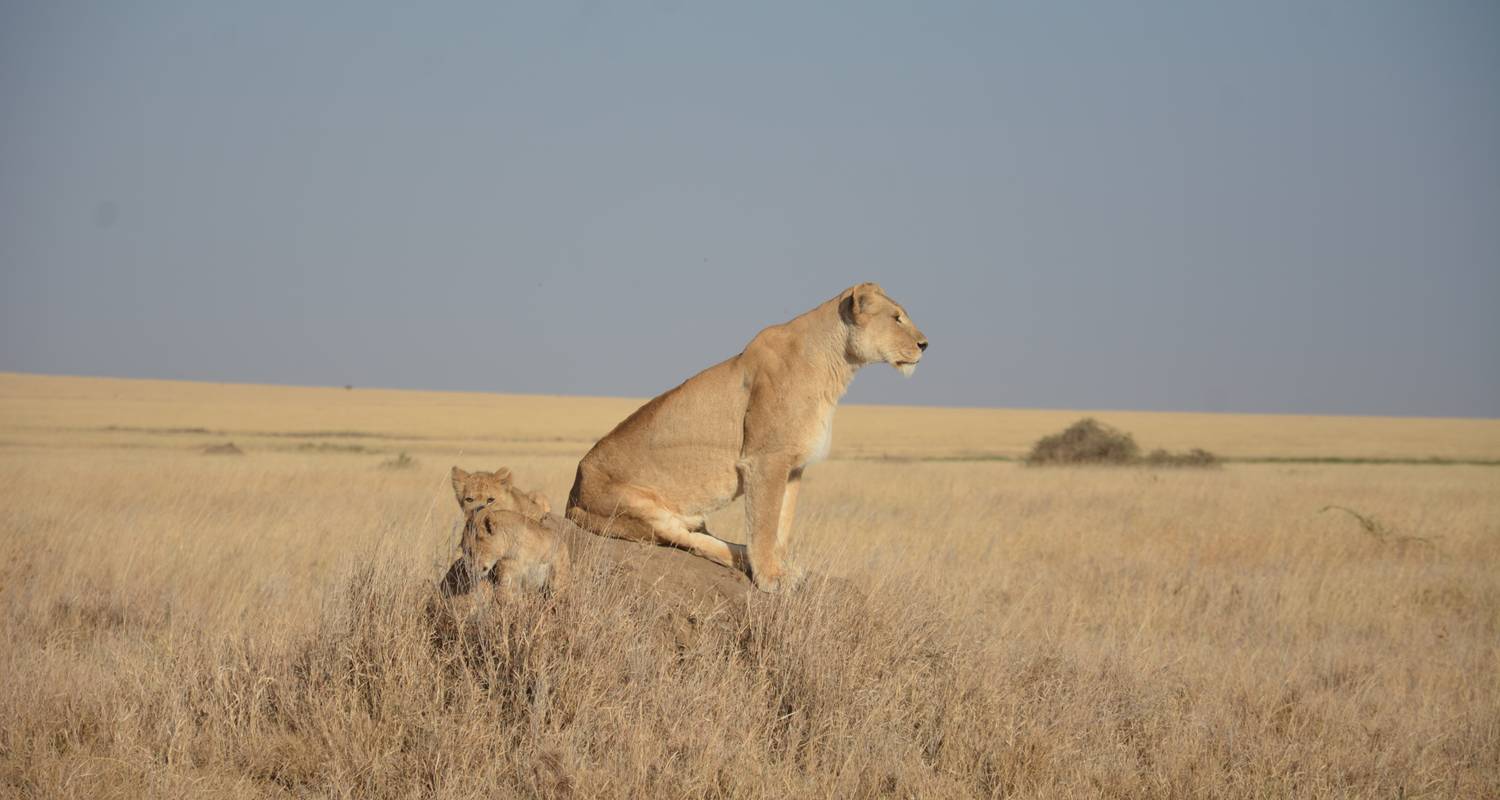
(226, 449)
(684, 592)
(686, 579)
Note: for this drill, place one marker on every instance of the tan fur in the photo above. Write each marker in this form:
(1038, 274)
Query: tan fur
(747, 426)
(496, 490)
(524, 554)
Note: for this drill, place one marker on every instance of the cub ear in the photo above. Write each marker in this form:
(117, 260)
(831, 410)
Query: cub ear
(541, 502)
(459, 476)
(502, 474)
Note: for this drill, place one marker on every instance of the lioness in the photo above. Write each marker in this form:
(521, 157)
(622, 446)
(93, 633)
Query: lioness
(496, 490)
(523, 553)
(747, 426)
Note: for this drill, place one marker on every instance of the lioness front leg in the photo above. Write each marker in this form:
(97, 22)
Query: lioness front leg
(788, 511)
(765, 494)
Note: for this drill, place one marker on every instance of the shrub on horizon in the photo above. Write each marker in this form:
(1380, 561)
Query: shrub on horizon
(1089, 441)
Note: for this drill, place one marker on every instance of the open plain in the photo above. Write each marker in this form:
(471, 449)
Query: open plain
(186, 619)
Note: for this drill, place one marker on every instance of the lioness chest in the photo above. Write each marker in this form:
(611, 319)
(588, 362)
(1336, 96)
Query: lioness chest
(821, 440)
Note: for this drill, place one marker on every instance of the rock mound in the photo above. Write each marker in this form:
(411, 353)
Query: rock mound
(685, 593)
(681, 590)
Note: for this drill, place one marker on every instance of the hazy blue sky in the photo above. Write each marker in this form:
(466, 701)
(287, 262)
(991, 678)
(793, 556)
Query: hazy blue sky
(1259, 206)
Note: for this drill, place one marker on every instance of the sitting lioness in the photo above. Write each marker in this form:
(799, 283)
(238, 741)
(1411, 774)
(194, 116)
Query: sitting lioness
(747, 426)
(523, 553)
(496, 490)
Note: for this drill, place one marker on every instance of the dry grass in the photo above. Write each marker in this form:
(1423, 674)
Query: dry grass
(188, 625)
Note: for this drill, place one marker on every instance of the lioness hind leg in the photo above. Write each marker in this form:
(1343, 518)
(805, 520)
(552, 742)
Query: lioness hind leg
(638, 519)
(708, 546)
(615, 526)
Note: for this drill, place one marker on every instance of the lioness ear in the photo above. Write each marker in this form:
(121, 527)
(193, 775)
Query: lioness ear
(857, 300)
(864, 295)
(489, 524)
(502, 474)
(847, 307)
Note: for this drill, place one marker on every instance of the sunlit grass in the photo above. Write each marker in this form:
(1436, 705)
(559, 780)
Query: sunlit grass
(182, 624)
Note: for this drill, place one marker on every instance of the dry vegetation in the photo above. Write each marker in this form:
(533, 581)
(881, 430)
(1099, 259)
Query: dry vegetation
(1091, 442)
(180, 624)
(35, 409)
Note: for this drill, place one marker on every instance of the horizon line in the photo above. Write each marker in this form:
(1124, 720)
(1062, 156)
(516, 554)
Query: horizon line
(642, 399)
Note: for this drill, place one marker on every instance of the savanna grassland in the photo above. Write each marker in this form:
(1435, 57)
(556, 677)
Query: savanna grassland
(179, 623)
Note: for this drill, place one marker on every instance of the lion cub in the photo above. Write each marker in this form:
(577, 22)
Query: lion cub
(524, 554)
(496, 490)
(502, 526)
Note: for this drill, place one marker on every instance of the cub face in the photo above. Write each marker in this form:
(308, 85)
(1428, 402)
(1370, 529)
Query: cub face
(489, 535)
(476, 490)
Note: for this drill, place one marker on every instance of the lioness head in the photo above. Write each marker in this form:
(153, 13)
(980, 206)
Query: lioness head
(495, 490)
(879, 329)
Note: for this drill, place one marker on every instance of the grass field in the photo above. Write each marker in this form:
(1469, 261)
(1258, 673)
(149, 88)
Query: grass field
(183, 624)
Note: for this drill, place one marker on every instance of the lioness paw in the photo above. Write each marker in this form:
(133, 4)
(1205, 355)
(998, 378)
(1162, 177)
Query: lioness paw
(769, 587)
(785, 582)
(770, 584)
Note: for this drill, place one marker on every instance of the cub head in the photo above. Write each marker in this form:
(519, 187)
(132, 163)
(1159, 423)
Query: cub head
(488, 533)
(879, 329)
(475, 490)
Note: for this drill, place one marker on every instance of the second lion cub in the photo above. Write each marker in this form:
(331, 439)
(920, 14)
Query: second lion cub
(496, 490)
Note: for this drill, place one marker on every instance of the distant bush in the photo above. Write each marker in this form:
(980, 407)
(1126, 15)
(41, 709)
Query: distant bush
(1089, 441)
(226, 449)
(331, 447)
(401, 461)
(1195, 457)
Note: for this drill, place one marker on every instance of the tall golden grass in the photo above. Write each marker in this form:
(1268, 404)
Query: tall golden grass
(181, 624)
